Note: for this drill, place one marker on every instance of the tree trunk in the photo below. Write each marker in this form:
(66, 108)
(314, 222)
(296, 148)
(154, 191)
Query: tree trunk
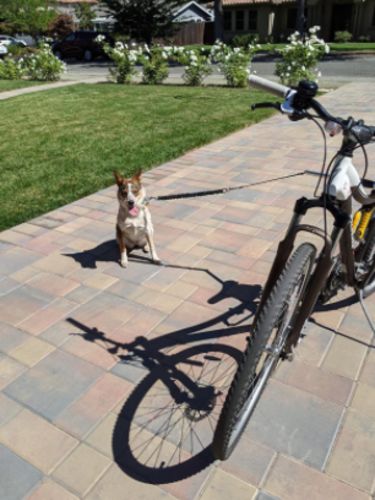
(301, 16)
(218, 11)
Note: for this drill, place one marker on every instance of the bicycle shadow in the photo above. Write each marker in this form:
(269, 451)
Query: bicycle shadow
(334, 306)
(195, 380)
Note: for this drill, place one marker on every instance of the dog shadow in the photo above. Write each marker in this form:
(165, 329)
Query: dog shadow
(172, 367)
(104, 252)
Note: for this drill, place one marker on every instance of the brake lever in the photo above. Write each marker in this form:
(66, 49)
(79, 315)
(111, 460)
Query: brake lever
(258, 105)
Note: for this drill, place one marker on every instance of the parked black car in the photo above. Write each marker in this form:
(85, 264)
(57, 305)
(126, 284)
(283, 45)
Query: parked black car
(81, 45)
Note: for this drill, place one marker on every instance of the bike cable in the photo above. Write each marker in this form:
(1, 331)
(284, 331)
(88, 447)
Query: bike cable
(322, 170)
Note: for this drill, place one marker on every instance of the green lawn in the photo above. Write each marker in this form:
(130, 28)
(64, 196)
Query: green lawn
(60, 145)
(16, 84)
(335, 47)
(353, 47)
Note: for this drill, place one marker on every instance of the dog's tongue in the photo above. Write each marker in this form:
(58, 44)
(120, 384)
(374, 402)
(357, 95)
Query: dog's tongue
(134, 211)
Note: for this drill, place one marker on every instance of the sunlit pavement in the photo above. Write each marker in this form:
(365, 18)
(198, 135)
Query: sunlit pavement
(100, 366)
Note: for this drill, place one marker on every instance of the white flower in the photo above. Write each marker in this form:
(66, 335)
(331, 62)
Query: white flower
(314, 29)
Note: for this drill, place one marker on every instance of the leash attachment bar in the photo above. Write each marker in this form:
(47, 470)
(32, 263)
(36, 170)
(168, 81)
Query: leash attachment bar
(224, 190)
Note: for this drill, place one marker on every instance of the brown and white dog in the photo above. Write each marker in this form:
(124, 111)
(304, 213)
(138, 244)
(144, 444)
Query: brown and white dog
(134, 227)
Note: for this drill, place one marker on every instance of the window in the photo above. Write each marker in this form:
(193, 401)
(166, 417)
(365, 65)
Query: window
(240, 20)
(253, 20)
(227, 20)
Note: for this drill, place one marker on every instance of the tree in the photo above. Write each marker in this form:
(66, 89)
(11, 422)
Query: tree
(218, 11)
(85, 15)
(61, 26)
(27, 16)
(143, 19)
(301, 21)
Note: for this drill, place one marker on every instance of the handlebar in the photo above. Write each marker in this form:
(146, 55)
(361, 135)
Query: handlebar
(296, 103)
(271, 87)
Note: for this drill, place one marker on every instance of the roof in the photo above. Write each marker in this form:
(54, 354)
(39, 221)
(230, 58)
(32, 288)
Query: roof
(192, 11)
(252, 2)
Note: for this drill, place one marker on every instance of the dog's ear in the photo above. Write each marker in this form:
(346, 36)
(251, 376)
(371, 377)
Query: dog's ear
(118, 177)
(137, 175)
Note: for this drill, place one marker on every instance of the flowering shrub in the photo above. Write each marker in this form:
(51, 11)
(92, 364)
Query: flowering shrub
(155, 64)
(11, 69)
(43, 65)
(234, 63)
(300, 58)
(124, 57)
(342, 36)
(197, 64)
(245, 40)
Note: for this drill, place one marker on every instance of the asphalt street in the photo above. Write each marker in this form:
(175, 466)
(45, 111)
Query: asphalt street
(335, 71)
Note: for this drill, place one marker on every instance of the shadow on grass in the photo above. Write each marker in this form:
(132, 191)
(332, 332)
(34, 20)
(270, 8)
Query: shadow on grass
(164, 430)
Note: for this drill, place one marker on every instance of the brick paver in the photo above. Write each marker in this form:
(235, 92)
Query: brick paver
(87, 348)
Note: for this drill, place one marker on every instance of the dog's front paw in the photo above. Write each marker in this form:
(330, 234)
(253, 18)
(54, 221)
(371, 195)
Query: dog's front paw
(157, 261)
(124, 263)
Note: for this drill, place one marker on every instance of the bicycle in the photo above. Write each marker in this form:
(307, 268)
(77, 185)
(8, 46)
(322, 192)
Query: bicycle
(299, 278)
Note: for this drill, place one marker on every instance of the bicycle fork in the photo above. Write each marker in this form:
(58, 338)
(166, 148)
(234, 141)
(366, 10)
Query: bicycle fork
(322, 269)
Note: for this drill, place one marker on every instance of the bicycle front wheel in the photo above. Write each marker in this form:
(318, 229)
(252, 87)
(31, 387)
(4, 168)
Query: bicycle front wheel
(264, 349)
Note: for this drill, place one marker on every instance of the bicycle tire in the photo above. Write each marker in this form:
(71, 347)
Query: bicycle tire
(248, 385)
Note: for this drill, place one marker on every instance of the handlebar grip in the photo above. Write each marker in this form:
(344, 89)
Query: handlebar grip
(272, 87)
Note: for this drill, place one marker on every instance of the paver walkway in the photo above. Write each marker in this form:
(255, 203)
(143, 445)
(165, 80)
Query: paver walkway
(79, 334)
(36, 88)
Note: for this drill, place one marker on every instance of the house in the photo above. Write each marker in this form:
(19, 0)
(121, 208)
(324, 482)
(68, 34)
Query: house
(102, 22)
(276, 19)
(195, 24)
(192, 12)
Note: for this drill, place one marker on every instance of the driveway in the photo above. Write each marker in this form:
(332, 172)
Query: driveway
(335, 71)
